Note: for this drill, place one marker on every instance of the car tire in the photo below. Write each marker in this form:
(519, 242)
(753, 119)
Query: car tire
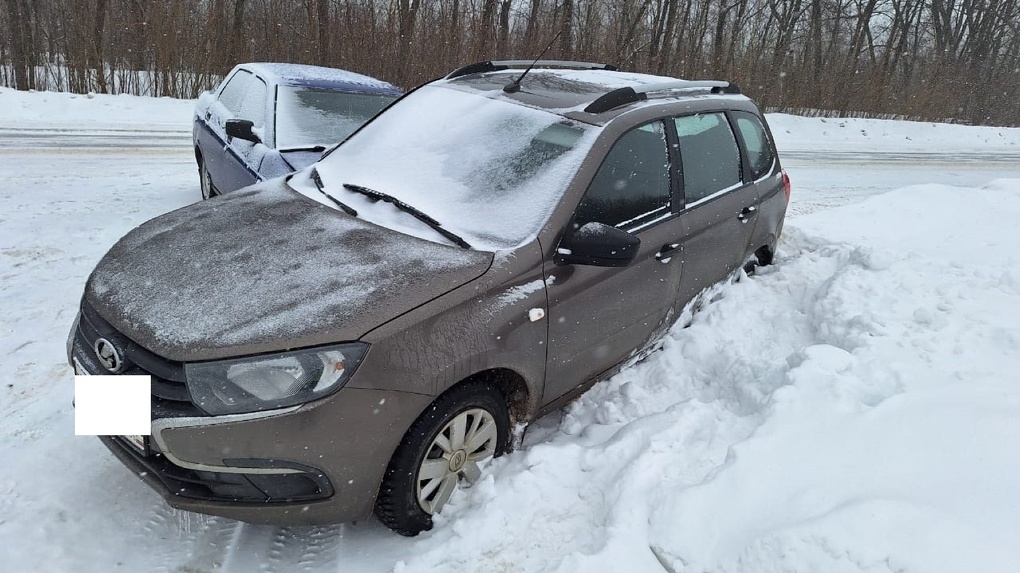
(208, 189)
(464, 426)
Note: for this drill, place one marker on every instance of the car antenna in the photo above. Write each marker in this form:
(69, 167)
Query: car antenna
(515, 86)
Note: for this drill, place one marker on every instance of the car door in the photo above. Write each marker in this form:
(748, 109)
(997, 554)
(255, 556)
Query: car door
(227, 158)
(599, 316)
(720, 209)
(249, 154)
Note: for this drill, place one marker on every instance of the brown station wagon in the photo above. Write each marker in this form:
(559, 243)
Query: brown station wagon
(361, 335)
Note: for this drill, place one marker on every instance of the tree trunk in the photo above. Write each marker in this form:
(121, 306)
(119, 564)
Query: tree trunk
(485, 30)
(531, 30)
(137, 34)
(502, 43)
(566, 30)
(98, 32)
(322, 27)
(237, 34)
(24, 74)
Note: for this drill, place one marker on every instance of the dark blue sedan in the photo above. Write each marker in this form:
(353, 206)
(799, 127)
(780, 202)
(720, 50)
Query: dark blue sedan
(267, 120)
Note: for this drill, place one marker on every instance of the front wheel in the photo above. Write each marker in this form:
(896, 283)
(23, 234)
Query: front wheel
(208, 189)
(464, 427)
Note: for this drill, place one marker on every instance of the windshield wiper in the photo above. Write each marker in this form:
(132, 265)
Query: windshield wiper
(318, 185)
(379, 196)
(315, 148)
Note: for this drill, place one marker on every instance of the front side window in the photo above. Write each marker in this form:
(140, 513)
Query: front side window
(233, 93)
(631, 188)
(759, 152)
(709, 155)
(253, 106)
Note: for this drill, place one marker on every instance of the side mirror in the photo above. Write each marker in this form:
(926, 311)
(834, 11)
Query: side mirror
(242, 129)
(597, 244)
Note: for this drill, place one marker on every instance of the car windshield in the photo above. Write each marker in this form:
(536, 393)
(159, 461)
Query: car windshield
(488, 170)
(309, 117)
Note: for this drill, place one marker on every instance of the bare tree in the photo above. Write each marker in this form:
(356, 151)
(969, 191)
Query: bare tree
(22, 43)
(938, 59)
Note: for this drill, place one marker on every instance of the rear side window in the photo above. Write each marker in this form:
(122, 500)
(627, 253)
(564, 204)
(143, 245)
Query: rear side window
(709, 155)
(233, 93)
(631, 188)
(759, 152)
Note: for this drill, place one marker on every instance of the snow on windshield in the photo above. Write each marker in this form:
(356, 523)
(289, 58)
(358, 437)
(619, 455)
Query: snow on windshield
(307, 117)
(487, 170)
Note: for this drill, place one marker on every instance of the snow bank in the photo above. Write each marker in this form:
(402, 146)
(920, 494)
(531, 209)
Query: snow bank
(75, 111)
(853, 408)
(795, 133)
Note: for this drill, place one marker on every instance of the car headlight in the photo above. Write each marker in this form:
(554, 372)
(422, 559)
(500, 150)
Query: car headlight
(273, 381)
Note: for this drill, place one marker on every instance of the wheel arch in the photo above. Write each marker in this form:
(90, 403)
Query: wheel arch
(520, 399)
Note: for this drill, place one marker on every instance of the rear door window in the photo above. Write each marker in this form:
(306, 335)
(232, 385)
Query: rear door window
(709, 155)
(759, 151)
(631, 188)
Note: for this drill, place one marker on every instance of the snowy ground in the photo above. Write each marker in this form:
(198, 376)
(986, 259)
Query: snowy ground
(855, 407)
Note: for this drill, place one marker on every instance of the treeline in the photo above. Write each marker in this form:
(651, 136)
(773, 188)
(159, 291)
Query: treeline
(926, 59)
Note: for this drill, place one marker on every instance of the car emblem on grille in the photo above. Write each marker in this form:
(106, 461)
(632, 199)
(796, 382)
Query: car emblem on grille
(108, 355)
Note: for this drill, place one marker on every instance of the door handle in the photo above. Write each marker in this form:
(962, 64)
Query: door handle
(666, 252)
(746, 213)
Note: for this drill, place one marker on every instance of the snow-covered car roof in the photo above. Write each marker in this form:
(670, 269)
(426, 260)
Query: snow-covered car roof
(573, 90)
(320, 77)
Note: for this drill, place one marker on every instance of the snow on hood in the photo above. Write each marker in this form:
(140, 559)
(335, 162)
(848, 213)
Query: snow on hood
(266, 269)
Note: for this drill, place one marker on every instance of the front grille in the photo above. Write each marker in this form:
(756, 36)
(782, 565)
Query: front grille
(170, 397)
(307, 485)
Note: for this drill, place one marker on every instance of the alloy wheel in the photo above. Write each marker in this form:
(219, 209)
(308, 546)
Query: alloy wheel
(469, 438)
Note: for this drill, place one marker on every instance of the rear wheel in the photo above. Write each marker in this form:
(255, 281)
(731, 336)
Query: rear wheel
(208, 189)
(442, 450)
(762, 258)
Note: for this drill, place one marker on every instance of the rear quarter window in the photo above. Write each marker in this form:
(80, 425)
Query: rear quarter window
(759, 150)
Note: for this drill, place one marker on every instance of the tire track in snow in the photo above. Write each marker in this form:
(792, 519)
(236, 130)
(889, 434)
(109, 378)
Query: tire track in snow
(268, 549)
(172, 541)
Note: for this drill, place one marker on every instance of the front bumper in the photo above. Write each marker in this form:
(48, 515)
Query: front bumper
(211, 486)
(316, 464)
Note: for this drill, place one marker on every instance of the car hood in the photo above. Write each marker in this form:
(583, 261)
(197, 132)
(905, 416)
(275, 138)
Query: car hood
(266, 269)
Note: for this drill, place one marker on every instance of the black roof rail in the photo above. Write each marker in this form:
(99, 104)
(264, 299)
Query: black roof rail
(500, 65)
(624, 96)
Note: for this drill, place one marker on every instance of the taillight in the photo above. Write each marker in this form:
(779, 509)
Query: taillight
(786, 185)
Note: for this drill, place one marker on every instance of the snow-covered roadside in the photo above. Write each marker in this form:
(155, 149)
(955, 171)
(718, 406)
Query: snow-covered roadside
(853, 408)
(795, 133)
(22, 109)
